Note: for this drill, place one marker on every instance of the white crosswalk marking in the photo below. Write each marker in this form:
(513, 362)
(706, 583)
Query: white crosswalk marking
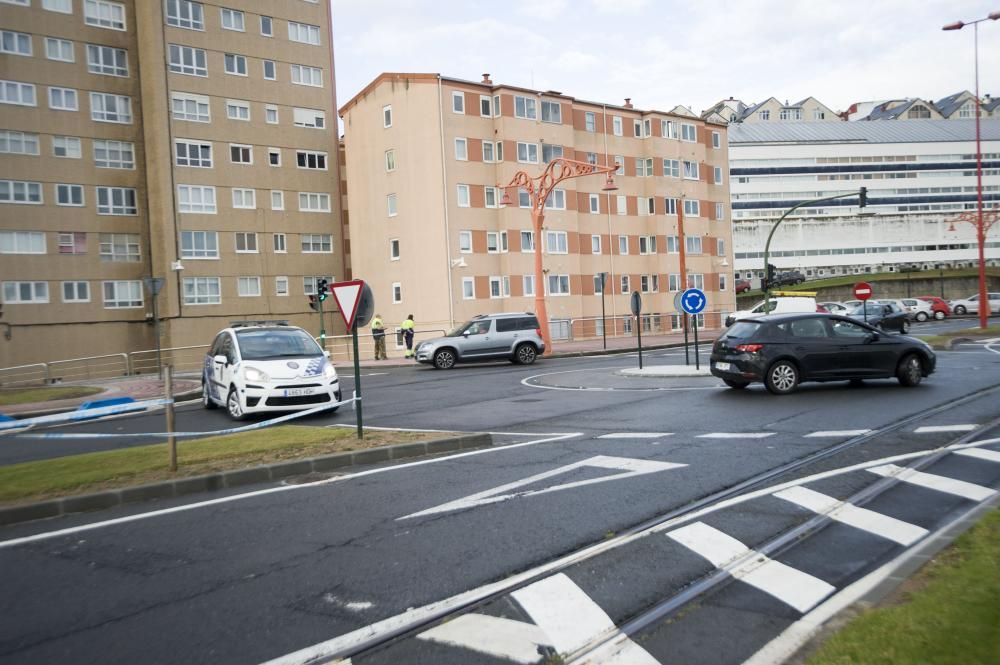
(980, 453)
(899, 531)
(836, 433)
(635, 435)
(938, 483)
(571, 619)
(789, 585)
(930, 429)
(504, 638)
(736, 435)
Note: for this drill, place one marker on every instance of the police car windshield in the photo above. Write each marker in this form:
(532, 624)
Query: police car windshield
(264, 344)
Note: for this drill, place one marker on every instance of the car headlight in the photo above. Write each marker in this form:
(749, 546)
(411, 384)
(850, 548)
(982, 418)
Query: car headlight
(254, 374)
(329, 371)
(422, 346)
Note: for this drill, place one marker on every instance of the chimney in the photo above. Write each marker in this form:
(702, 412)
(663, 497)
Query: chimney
(486, 79)
(628, 102)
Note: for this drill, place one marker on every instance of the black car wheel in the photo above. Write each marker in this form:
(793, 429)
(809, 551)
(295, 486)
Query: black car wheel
(960, 309)
(444, 359)
(910, 370)
(525, 354)
(738, 385)
(206, 401)
(233, 405)
(904, 327)
(782, 377)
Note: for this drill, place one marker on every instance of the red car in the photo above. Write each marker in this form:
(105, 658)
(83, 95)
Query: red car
(742, 285)
(938, 306)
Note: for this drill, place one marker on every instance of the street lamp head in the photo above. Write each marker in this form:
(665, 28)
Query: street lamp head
(957, 25)
(505, 199)
(993, 16)
(609, 184)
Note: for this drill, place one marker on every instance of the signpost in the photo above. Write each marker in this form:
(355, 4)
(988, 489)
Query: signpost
(356, 305)
(684, 324)
(155, 285)
(693, 302)
(862, 292)
(636, 308)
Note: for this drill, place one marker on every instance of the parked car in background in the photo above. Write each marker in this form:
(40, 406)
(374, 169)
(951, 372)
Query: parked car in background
(788, 278)
(778, 304)
(514, 336)
(784, 350)
(939, 307)
(970, 305)
(919, 309)
(885, 316)
(742, 285)
(835, 307)
(852, 304)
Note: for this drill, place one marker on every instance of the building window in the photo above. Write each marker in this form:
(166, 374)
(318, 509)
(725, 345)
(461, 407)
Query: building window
(15, 43)
(246, 242)
(69, 195)
(765, 115)
(673, 245)
(279, 243)
(465, 242)
(696, 281)
(59, 49)
(463, 196)
(193, 108)
(274, 156)
(556, 200)
(240, 154)
(670, 206)
(397, 293)
(232, 19)
(528, 285)
(188, 60)
(394, 249)
(120, 247)
(690, 170)
(314, 202)
(552, 112)
(693, 244)
(500, 287)
(199, 245)
(19, 191)
(76, 291)
(61, 6)
(63, 99)
(35, 293)
(461, 149)
(620, 164)
(720, 211)
(722, 282)
(307, 159)
(624, 282)
(281, 286)
(623, 245)
(644, 167)
(185, 14)
(717, 139)
(309, 118)
(277, 199)
(317, 243)
(817, 115)
(527, 241)
(556, 242)
(668, 129)
(235, 64)
(107, 60)
(22, 242)
(119, 154)
(717, 175)
(616, 125)
(523, 198)
(110, 108)
(720, 247)
(692, 207)
(18, 94)
(202, 291)
(672, 168)
(490, 197)
(305, 75)
(13, 142)
(468, 288)
(74, 242)
(496, 242)
(309, 283)
(271, 114)
(390, 160)
(116, 201)
(387, 116)
(590, 121)
(527, 153)
(458, 102)
(621, 204)
(245, 198)
(190, 153)
(196, 199)
(558, 285)
(591, 157)
(270, 70)
(674, 282)
(390, 205)
(595, 244)
(248, 287)
(66, 146)
(595, 203)
(689, 132)
(550, 152)
(303, 33)
(647, 244)
(485, 106)
(104, 14)
(525, 107)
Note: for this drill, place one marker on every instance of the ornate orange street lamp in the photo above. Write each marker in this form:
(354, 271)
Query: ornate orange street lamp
(983, 221)
(538, 188)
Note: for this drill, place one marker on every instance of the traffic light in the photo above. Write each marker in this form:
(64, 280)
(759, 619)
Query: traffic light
(863, 197)
(769, 279)
(321, 289)
(313, 305)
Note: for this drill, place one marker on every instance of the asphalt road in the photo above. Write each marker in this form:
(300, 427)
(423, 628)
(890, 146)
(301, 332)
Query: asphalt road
(587, 455)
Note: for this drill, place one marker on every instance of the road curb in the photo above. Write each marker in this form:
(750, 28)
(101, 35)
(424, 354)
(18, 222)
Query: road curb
(37, 413)
(237, 477)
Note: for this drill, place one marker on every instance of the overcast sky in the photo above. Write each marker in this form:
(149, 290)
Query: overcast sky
(666, 52)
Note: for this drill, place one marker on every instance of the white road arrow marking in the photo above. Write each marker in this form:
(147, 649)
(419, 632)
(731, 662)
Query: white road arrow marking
(630, 468)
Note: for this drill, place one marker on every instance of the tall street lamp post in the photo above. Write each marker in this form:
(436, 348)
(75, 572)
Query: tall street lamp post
(604, 320)
(980, 225)
(538, 188)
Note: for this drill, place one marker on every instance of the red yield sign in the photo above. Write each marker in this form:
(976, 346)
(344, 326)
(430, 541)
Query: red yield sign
(862, 290)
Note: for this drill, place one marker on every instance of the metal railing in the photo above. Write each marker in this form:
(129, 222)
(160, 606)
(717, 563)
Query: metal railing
(182, 358)
(341, 347)
(625, 325)
(24, 375)
(91, 367)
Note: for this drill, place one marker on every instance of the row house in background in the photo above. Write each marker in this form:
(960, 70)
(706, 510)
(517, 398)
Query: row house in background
(428, 156)
(162, 138)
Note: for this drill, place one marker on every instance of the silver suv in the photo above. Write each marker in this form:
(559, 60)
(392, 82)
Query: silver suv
(514, 336)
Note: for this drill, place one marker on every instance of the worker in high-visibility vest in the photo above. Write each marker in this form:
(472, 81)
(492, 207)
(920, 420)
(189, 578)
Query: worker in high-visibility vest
(378, 333)
(407, 327)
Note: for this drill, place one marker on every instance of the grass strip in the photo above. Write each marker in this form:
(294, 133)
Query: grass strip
(126, 467)
(13, 396)
(941, 341)
(949, 612)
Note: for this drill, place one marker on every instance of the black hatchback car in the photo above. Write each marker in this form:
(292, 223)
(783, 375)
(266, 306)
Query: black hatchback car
(784, 350)
(887, 316)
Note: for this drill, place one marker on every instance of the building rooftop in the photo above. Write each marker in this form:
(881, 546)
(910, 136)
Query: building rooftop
(912, 131)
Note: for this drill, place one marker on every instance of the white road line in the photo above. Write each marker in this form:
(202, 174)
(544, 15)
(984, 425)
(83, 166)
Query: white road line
(504, 638)
(980, 453)
(875, 523)
(789, 585)
(635, 435)
(736, 435)
(930, 429)
(934, 482)
(570, 618)
(837, 433)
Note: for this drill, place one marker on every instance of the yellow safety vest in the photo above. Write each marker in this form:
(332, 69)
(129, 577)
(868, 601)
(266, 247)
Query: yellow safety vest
(407, 324)
(377, 323)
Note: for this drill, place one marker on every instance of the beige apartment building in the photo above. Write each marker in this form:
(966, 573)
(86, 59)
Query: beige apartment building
(425, 155)
(189, 141)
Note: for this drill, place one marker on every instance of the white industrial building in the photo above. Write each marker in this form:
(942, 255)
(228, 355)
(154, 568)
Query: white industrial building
(920, 175)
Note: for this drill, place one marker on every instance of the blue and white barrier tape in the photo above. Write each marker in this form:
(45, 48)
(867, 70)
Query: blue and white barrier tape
(163, 435)
(80, 415)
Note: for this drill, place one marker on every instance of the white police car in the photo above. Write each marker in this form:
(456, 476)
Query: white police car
(258, 366)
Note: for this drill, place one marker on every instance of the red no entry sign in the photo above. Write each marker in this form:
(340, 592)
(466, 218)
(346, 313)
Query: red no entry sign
(862, 290)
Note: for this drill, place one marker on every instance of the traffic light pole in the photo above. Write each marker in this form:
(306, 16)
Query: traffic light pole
(322, 324)
(862, 194)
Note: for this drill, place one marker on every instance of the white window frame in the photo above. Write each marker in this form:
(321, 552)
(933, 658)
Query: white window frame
(281, 286)
(463, 196)
(621, 204)
(391, 205)
(270, 70)
(22, 242)
(21, 192)
(198, 291)
(68, 195)
(525, 107)
(196, 199)
(317, 157)
(38, 292)
(556, 242)
(623, 245)
(271, 111)
(528, 285)
(468, 288)
(458, 102)
(243, 149)
(250, 245)
(235, 64)
(309, 118)
(465, 242)
(198, 161)
(199, 103)
(691, 170)
(248, 286)
(550, 105)
(387, 116)
(316, 243)
(277, 199)
(107, 60)
(595, 243)
(16, 43)
(99, 111)
(397, 293)
(104, 14)
(107, 204)
(485, 106)
(187, 14)
(393, 249)
(15, 142)
(269, 22)
(63, 99)
(594, 203)
(60, 50)
(717, 138)
(461, 149)
(307, 75)
(692, 208)
(58, 6)
(528, 149)
(562, 284)
(304, 33)
(279, 243)
(187, 60)
(314, 202)
(78, 295)
(71, 145)
(17, 93)
(110, 243)
(617, 125)
(232, 19)
(717, 175)
(208, 249)
(244, 198)
(689, 132)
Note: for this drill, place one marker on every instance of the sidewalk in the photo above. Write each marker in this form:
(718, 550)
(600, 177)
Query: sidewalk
(185, 387)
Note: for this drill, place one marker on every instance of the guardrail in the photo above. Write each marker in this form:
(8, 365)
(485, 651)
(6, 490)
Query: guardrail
(625, 325)
(183, 359)
(91, 367)
(24, 375)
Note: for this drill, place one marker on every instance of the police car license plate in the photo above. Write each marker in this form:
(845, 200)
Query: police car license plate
(298, 392)
(723, 367)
